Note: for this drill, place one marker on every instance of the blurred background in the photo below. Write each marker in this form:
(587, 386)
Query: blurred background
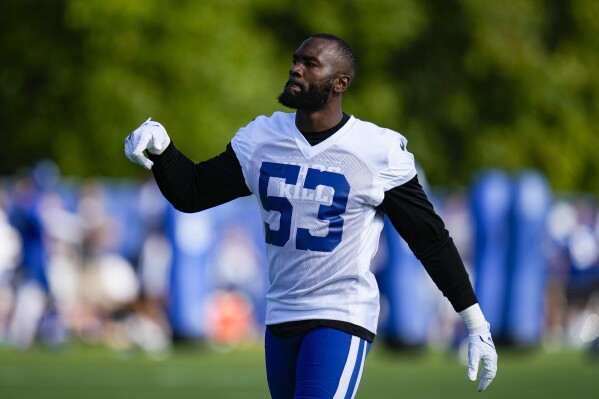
(499, 102)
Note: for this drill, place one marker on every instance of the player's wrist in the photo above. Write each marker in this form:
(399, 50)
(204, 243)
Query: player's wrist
(475, 320)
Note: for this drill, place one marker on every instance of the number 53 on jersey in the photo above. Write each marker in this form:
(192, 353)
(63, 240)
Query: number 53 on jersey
(331, 213)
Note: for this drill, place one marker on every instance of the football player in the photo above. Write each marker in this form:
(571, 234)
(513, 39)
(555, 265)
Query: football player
(324, 180)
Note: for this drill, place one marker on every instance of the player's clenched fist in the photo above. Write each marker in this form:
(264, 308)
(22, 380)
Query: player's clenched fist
(150, 136)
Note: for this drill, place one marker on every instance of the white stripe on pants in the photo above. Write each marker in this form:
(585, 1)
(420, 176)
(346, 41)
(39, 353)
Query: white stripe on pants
(355, 355)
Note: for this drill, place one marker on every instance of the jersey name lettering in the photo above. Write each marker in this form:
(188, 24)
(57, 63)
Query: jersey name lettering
(321, 194)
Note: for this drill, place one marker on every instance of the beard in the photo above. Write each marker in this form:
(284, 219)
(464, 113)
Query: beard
(313, 98)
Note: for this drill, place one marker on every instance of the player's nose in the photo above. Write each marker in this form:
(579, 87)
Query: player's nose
(296, 70)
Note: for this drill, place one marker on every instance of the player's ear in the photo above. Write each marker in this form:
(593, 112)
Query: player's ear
(341, 83)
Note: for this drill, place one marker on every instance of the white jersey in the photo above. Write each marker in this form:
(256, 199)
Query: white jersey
(318, 204)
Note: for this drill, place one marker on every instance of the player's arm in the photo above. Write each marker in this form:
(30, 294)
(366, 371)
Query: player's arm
(415, 219)
(188, 186)
(193, 187)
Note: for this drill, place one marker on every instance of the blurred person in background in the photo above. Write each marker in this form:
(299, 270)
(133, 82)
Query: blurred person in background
(122, 299)
(32, 285)
(31, 281)
(46, 280)
(324, 180)
(572, 290)
(63, 235)
(10, 259)
(109, 285)
(148, 325)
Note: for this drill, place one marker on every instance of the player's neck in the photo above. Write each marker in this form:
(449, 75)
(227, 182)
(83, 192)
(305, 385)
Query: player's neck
(318, 120)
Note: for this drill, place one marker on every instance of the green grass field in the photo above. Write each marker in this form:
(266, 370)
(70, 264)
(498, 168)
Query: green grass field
(196, 372)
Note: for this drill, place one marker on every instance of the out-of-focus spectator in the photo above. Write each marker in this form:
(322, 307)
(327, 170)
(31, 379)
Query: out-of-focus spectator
(148, 326)
(573, 281)
(65, 273)
(32, 280)
(108, 285)
(31, 212)
(10, 258)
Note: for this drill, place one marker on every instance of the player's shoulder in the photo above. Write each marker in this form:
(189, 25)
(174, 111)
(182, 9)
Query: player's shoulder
(371, 131)
(384, 150)
(277, 122)
(375, 140)
(276, 119)
(262, 129)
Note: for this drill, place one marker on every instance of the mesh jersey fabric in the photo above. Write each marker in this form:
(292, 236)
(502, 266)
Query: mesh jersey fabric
(318, 204)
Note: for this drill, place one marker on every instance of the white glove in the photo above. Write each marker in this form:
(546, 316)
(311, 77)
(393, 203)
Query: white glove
(149, 136)
(481, 347)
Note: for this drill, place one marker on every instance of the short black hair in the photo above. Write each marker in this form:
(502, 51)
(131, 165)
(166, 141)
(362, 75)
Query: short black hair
(345, 51)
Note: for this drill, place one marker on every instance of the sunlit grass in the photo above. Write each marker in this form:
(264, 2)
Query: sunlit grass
(201, 372)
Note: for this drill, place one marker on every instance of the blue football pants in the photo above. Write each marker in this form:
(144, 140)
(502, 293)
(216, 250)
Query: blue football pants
(323, 363)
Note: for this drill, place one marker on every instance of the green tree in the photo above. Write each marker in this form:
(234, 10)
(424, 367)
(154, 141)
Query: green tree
(471, 83)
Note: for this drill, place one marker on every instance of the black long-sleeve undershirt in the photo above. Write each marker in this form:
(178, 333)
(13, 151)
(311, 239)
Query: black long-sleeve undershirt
(193, 187)
(416, 221)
